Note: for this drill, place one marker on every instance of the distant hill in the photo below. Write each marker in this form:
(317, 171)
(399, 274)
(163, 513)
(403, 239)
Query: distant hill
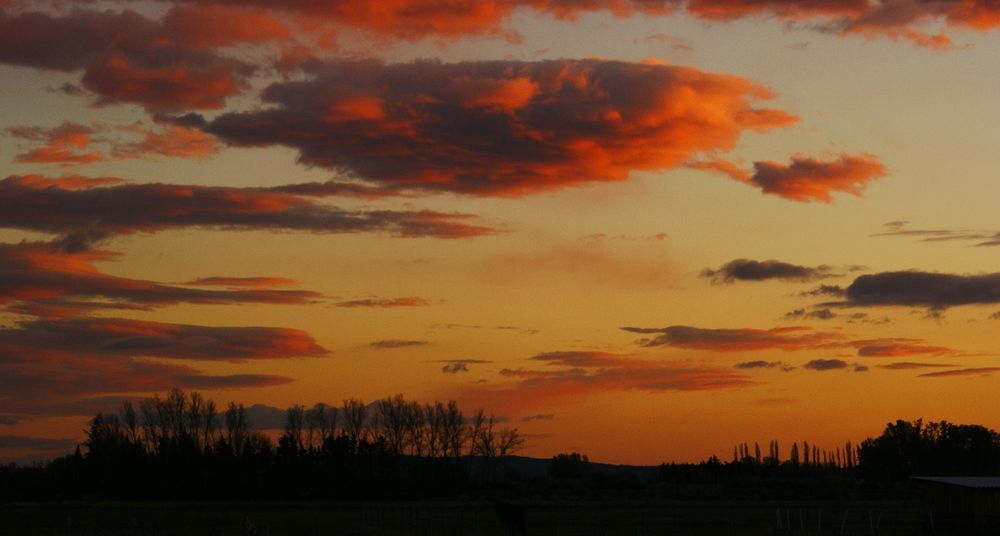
(530, 468)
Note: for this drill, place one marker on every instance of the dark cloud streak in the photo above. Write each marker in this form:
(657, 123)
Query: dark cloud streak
(751, 270)
(84, 215)
(922, 289)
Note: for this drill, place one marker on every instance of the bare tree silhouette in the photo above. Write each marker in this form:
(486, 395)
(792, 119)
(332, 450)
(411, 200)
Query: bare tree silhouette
(355, 420)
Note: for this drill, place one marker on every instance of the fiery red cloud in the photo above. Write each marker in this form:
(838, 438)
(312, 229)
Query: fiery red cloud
(126, 57)
(905, 20)
(211, 25)
(83, 215)
(118, 78)
(806, 178)
(786, 9)
(184, 61)
(502, 127)
(416, 19)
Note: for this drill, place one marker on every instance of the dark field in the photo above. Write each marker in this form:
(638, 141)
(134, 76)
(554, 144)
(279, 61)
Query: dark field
(460, 519)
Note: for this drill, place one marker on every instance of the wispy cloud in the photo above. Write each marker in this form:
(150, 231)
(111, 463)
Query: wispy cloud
(386, 303)
(778, 365)
(822, 365)
(979, 238)
(909, 365)
(456, 366)
(392, 344)
(981, 371)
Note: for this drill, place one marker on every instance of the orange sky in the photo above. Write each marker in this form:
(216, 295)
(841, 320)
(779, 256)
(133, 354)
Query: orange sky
(688, 223)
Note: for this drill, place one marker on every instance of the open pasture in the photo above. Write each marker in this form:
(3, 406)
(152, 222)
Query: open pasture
(563, 518)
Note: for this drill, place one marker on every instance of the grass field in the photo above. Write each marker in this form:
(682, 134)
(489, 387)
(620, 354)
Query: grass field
(462, 519)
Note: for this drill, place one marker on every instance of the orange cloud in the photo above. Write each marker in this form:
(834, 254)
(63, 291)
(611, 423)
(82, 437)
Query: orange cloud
(596, 264)
(63, 145)
(907, 365)
(892, 19)
(59, 367)
(135, 338)
(786, 9)
(116, 78)
(214, 25)
(806, 178)
(789, 339)
(898, 348)
(341, 189)
(393, 344)
(127, 57)
(53, 282)
(386, 303)
(738, 340)
(66, 182)
(903, 20)
(502, 127)
(171, 141)
(241, 282)
(416, 19)
(85, 215)
(981, 371)
(580, 373)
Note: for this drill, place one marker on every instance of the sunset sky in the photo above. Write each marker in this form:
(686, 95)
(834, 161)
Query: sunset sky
(644, 230)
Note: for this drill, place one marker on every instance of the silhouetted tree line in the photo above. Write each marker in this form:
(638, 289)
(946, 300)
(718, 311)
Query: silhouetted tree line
(183, 447)
(799, 458)
(933, 449)
(904, 449)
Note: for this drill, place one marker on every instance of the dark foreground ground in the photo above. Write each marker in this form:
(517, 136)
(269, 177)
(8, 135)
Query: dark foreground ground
(590, 518)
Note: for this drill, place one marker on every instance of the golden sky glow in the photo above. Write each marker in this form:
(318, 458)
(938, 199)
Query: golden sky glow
(685, 223)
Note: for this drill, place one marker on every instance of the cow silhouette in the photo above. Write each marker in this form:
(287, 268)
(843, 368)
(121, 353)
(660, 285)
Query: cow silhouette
(511, 516)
